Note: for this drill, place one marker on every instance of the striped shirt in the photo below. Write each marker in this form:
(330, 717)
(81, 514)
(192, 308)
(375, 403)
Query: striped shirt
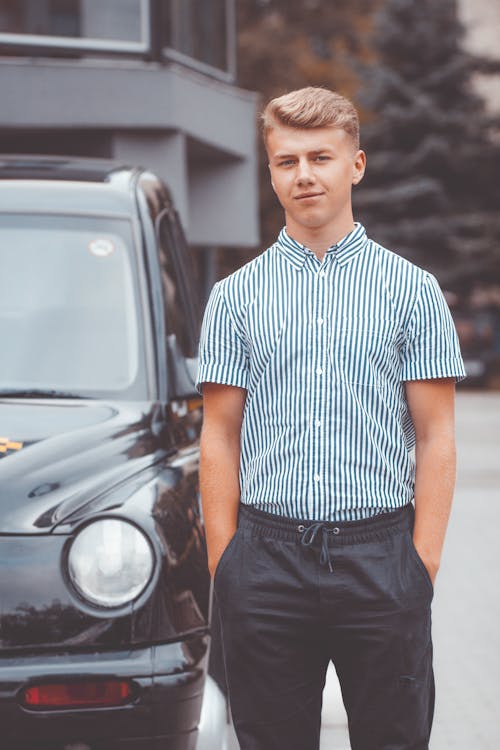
(323, 349)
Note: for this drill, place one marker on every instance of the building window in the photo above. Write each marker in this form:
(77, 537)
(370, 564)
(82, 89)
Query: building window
(200, 29)
(101, 24)
(47, 17)
(197, 33)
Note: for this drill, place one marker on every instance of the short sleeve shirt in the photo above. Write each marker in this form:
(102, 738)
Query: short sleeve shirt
(323, 349)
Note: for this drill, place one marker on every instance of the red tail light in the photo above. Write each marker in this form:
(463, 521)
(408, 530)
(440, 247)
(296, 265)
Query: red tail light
(85, 694)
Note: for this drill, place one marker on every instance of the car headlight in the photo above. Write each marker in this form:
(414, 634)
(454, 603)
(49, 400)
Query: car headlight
(110, 562)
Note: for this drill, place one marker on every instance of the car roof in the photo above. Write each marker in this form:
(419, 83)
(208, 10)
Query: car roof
(66, 184)
(77, 169)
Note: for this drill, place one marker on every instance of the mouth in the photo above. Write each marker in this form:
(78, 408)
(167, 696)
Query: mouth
(305, 196)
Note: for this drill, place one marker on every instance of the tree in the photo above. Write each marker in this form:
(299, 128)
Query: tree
(431, 191)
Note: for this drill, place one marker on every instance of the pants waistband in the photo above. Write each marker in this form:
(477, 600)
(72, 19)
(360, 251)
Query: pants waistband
(262, 523)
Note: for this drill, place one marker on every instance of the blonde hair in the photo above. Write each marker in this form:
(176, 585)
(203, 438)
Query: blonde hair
(312, 107)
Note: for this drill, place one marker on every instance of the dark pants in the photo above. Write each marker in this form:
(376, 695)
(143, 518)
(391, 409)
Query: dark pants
(294, 595)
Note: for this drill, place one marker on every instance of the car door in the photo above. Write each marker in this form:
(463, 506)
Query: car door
(184, 404)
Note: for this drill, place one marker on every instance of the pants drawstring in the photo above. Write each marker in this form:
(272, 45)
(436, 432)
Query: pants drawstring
(309, 535)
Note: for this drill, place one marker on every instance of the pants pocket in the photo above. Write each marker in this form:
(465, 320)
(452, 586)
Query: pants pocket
(419, 564)
(225, 557)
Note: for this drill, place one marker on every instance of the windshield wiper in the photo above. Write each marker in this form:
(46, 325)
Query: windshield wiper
(37, 393)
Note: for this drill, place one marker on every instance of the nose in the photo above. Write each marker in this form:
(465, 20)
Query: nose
(305, 175)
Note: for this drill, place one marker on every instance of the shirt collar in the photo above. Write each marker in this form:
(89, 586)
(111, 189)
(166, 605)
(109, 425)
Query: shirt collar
(345, 250)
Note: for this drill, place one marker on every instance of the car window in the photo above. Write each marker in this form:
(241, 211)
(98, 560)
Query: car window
(69, 305)
(180, 303)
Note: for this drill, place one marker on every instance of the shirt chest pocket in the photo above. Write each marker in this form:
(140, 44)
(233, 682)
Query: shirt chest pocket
(363, 351)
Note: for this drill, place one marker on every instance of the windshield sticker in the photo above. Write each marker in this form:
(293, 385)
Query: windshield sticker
(101, 247)
(7, 445)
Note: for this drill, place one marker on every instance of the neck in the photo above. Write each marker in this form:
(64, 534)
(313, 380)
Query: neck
(319, 239)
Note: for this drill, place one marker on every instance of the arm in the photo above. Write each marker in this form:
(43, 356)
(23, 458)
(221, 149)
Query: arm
(431, 404)
(219, 465)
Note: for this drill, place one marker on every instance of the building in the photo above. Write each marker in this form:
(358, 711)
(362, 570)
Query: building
(481, 19)
(147, 82)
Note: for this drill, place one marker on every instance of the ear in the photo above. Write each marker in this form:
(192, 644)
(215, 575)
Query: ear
(358, 167)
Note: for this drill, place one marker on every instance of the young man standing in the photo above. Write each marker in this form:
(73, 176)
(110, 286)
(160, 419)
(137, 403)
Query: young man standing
(323, 363)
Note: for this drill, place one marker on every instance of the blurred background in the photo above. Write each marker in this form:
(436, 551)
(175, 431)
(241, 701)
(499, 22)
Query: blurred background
(176, 85)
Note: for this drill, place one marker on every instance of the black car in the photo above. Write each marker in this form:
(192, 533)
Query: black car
(104, 587)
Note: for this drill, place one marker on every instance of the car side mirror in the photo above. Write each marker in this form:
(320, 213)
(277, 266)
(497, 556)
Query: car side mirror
(182, 371)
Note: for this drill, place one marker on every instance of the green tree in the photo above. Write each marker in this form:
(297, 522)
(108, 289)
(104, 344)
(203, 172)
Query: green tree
(431, 191)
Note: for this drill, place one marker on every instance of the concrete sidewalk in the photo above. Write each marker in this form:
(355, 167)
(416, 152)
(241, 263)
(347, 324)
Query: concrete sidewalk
(467, 605)
(466, 611)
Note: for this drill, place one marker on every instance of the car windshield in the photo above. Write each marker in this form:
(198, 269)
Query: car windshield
(69, 308)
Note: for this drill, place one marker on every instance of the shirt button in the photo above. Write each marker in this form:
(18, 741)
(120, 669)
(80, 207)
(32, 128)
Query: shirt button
(322, 274)
(320, 321)
(318, 423)
(316, 477)
(319, 371)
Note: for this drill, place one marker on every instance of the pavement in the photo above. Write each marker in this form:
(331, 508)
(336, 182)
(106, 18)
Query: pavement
(466, 608)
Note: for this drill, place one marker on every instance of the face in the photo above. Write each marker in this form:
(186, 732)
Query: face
(312, 172)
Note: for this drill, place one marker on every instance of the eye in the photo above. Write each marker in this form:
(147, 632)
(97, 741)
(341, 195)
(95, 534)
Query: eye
(322, 157)
(285, 163)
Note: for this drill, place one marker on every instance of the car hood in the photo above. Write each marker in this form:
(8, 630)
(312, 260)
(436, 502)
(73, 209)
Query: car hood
(57, 456)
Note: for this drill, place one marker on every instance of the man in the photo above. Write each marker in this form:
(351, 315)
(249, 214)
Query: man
(323, 363)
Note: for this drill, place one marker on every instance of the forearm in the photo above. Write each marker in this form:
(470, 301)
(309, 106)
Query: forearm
(434, 485)
(220, 491)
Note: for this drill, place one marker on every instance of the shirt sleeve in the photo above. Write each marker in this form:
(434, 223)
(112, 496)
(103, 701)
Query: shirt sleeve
(432, 349)
(223, 356)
